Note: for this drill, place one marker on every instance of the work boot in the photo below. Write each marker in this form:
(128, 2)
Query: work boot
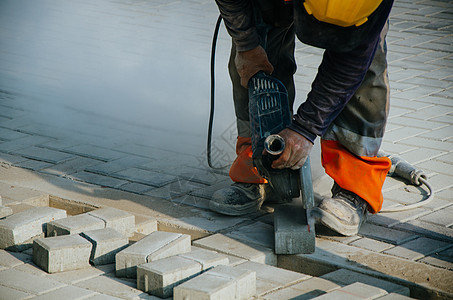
(344, 212)
(238, 199)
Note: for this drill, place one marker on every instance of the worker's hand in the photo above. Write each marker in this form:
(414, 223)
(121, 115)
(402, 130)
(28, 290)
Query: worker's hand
(297, 149)
(248, 63)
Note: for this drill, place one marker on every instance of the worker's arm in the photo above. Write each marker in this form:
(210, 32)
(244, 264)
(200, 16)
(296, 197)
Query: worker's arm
(240, 22)
(339, 76)
(239, 19)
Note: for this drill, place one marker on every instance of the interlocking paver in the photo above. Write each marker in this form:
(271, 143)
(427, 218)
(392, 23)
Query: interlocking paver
(309, 288)
(222, 282)
(371, 244)
(223, 244)
(113, 287)
(258, 233)
(427, 229)
(346, 277)
(10, 293)
(118, 219)
(8, 260)
(356, 290)
(97, 179)
(442, 217)
(74, 224)
(67, 293)
(61, 253)
(43, 154)
(161, 276)
(19, 229)
(71, 166)
(418, 248)
(106, 243)
(156, 245)
(28, 283)
(94, 152)
(21, 143)
(144, 176)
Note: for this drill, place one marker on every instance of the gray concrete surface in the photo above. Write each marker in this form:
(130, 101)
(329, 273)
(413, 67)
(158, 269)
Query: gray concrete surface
(105, 104)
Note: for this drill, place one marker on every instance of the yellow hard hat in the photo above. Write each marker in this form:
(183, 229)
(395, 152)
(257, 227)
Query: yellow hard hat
(343, 13)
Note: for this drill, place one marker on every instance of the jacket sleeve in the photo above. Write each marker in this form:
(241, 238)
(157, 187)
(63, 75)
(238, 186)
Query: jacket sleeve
(339, 76)
(239, 19)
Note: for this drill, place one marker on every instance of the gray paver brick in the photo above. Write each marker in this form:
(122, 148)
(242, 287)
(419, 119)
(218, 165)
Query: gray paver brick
(258, 233)
(112, 287)
(371, 244)
(97, 179)
(18, 230)
(8, 134)
(394, 296)
(154, 246)
(94, 152)
(388, 235)
(74, 224)
(175, 189)
(221, 282)
(5, 211)
(10, 293)
(69, 167)
(8, 260)
(61, 253)
(75, 276)
(443, 217)
(106, 243)
(427, 229)
(144, 176)
(67, 293)
(305, 290)
(120, 220)
(117, 165)
(22, 143)
(34, 165)
(270, 274)
(28, 283)
(346, 277)
(418, 248)
(43, 154)
(161, 276)
(224, 244)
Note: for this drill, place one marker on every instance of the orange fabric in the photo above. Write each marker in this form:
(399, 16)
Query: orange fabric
(361, 175)
(242, 169)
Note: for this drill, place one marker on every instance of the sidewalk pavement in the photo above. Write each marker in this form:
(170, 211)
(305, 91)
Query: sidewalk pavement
(106, 103)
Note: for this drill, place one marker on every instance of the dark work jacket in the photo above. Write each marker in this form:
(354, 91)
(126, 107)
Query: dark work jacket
(339, 75)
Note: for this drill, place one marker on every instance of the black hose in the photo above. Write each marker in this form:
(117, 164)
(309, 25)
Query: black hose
(211, 112)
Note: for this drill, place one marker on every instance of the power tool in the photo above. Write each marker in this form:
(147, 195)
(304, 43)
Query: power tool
(269, 114)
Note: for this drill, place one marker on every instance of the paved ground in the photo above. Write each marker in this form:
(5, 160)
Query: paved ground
(106, 103)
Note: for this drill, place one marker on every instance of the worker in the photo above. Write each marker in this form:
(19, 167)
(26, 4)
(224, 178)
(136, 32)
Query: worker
(347, 106)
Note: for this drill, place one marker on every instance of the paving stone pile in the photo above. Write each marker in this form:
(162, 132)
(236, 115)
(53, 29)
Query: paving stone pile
(75, 261)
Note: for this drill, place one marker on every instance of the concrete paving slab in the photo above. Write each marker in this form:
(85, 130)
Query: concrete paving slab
(67, 293)
(76, 276)
(106, 243)
(346, 277)
(28, 283)
(19, 229)
(120, 220)
(10, 293)
(206, 258)
(5, 211)
(224, 244)
(161, 276)
(74, 224)
(156, 245)
(258, 233)
(418, 248)
(145, 225)
(307, 289)
(112, 287)
(8, 260)
(221, 282)
(61, 253)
